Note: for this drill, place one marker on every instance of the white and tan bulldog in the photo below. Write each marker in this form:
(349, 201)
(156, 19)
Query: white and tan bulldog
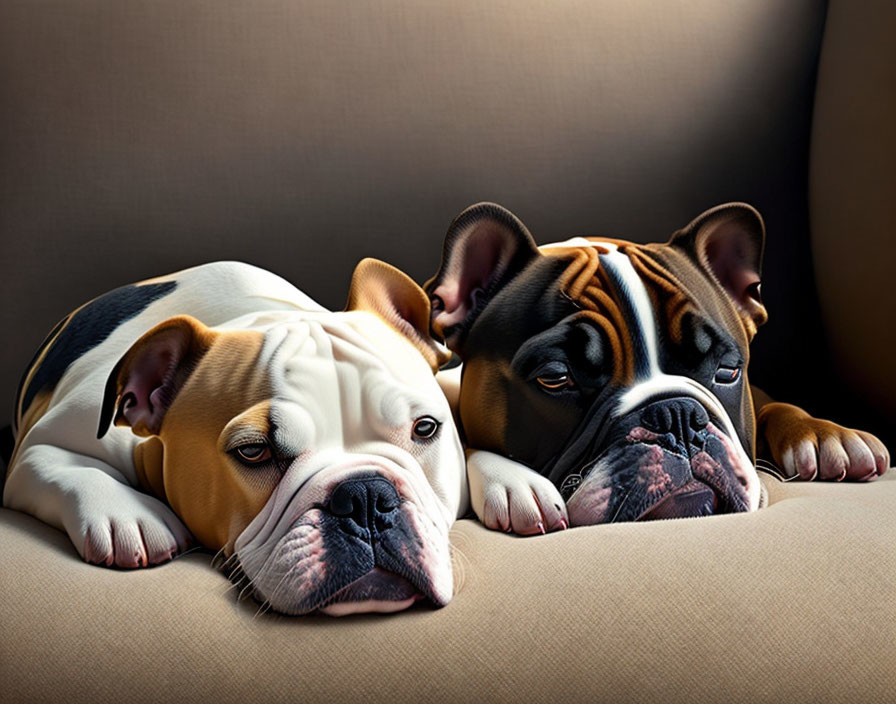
(313, 448)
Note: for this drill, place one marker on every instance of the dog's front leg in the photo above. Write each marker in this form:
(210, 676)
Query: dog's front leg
(808, 447)
(109, 522)
(509, 496)
(506, 495)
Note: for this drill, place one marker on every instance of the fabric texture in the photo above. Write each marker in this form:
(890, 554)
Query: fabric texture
(792, 603)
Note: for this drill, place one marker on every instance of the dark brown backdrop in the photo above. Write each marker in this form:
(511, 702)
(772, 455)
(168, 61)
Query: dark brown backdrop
(141, 138)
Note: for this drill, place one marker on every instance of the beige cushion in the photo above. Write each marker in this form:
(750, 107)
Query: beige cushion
(793, 603)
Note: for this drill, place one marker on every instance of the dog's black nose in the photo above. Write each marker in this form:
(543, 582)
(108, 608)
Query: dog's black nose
(369, 503)
(683, 417)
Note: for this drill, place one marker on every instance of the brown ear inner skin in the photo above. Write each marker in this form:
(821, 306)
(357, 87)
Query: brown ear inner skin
(705, 231)
(212, 492)
(196, 339)
(751, 311)
(483, 245)
(397, 300)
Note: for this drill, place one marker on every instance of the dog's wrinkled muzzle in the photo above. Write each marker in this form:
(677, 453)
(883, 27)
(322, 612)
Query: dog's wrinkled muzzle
(357, 538)
(666, 460)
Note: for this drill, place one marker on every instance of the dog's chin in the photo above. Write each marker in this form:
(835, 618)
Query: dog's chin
(647, 476)
(379, 591)
(688, 501)
(321, 564)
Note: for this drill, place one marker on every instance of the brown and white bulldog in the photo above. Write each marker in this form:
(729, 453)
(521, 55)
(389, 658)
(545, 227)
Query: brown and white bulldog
(606, 381)
(220, 404)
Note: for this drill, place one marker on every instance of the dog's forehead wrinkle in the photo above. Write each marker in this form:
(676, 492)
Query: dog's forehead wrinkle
(312, 360)
(293, 426)
(399, 405)
(309, 335)
(701, 288)
(366, 404)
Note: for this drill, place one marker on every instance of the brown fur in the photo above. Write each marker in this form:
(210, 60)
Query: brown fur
(212, 492)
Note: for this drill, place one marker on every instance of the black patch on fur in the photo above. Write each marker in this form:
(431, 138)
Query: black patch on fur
(83, 330)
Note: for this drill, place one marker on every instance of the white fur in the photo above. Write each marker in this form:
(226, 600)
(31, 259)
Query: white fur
(347, 389)
(351, 389)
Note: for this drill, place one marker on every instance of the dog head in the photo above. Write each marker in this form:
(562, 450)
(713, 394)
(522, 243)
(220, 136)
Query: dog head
(618, 370)
(314, 449)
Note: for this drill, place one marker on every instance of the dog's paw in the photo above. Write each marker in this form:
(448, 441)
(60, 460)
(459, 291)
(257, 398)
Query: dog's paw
(134, 530)
(510, 497)
(812, 448)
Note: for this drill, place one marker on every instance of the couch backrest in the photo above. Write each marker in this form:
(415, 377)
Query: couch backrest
(853, 209)
(142, 137)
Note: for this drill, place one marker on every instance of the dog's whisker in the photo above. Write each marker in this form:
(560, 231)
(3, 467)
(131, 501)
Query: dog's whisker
(219, 556)
(621, 504)
(245, 590)
(459, 563)
(275, 593)
(262, 609)
(197, 548)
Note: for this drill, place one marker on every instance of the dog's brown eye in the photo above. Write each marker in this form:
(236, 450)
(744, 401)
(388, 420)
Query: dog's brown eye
(727, 375)
(254, 453)
(425, 428)
(554, 382)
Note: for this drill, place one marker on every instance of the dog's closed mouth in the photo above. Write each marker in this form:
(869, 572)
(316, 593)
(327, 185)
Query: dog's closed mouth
(689, 501)
(645, 475)
(711, 489)
(377, 591)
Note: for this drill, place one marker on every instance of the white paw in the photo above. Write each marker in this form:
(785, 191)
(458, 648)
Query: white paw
(125, 528)
(510, 497)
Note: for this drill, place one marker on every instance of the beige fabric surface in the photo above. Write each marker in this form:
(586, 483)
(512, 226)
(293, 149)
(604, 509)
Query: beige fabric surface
(794, 603)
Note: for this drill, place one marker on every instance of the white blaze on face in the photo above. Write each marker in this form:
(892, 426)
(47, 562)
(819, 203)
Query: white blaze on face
(650, 380)
(347, 391)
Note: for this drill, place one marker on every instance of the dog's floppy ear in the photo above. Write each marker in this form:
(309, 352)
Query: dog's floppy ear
(727, 241)
(144, 383)
(394, 297)
(486, 246)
